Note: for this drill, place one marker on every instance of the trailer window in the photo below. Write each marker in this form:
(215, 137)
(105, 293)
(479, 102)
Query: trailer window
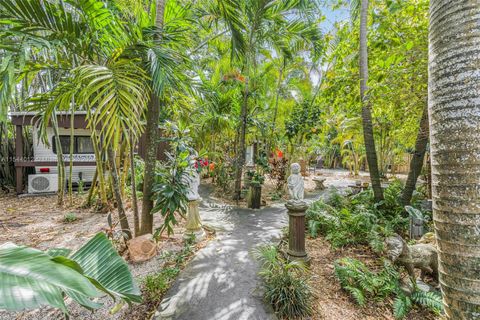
(81, 145)
(84, 145)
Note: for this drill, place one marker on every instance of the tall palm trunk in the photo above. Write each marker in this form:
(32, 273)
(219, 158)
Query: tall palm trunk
(454, 109)
(241, 145)
(416, 163)
(151, 135)
(136, 222)
(60, 162)
(118, 195)
(275, 110)
(366, 107)
(72, 145)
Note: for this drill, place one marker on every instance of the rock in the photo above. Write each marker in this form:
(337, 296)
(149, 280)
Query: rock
(142, 248)
(422, 286)
(407, 286)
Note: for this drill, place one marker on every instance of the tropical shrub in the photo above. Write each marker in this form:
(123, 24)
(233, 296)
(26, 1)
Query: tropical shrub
(170, 189)
(365, 285)
(286, 284)
(278, 171)
(32, 278)
(358, 219)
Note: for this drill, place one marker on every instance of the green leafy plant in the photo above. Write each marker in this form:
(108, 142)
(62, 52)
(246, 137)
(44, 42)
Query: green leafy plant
(255, 178)
(286, 284)
(70, 217)
(170, 189)
(32, 278)
(364, 285)
(154, 286)
(357, 219)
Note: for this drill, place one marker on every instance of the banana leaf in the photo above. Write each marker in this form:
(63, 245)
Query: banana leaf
(30, 278)
(101, 262)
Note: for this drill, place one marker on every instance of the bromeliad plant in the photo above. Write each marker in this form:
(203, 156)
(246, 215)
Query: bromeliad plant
(32, 278)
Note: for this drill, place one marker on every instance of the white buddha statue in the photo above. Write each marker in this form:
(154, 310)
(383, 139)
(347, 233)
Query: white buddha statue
(295, 183)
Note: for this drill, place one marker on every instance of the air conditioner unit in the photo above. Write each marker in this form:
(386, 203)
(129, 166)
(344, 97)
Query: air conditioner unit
(42, 183)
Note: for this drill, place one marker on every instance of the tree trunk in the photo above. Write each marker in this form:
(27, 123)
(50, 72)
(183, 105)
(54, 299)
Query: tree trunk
(136, 224)
(151, 135)
(60, 163)
(151, 139)
(454, 110)
(118, 196)
(71, 151)
(366, 107)
(241, 145)
(416, 163)
(275, 110)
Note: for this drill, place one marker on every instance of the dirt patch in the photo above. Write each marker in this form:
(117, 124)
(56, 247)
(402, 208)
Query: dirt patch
(330, 301)
(38, 222)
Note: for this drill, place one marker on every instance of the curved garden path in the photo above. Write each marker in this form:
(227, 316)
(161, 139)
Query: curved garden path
(221, 282)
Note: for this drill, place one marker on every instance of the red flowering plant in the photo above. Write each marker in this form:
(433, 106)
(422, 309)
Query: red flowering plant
(200, 164)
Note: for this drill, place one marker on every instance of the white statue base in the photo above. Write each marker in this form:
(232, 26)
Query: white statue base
(194, 223)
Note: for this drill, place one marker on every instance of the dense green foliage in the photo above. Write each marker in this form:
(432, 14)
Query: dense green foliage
(170, 188)
(286, 286)
(364, 285)
(358, 218)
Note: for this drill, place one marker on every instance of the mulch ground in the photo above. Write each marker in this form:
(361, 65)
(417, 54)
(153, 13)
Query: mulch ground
(330, 301)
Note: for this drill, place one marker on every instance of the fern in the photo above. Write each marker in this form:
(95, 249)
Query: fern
(357, 295)
(313, 228)
(401, 306)
(431, 300)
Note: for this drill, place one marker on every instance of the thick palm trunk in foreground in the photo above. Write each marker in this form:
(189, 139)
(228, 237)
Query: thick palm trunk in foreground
(366, 107)
(454, 110)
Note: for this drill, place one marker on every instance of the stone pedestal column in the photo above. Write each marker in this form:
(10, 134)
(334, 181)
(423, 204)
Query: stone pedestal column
(296, 230)
(194, 224)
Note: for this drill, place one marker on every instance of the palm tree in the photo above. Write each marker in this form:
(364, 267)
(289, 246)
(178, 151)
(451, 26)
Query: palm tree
(151, 141)
(454, 109)
(366, 107)
(281, 25)
(416, 163)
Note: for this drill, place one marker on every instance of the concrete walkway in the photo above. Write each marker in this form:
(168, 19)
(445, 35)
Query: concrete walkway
(221, 282)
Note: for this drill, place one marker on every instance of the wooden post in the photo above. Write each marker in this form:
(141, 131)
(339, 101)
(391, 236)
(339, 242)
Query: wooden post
(296, 230)
(18, 158)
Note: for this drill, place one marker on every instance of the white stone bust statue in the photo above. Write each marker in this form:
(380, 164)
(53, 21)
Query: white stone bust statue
(191, 178)
(295, 183)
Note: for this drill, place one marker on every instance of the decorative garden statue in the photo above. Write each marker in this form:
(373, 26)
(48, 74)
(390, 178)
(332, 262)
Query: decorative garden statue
(420, 256)
(296, 215)
(295, 183)
(191, 178)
